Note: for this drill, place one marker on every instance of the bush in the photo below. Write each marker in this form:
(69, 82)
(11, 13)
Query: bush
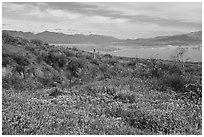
(109, 90)
(75, 49)
(6, 60)
(37, 42)
(125, 96)
(193, 92)
(20, 60)
(69, 53)
(74, 66)
(8, 39)
(158, 121)
(176, 82)
(111, 61)
(89, 57)
(17, 83)
(107, 56)
(95, 61)
(93, 72)
(46, 82)
(115, 109)
(142, 72)
(103, 67)
(174, 69)
(56, 60)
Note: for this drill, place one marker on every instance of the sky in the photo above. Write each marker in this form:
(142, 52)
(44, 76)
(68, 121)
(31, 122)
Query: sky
(118, 19)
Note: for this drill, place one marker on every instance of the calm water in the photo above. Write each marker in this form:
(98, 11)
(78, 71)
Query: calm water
(168, 52)
(193, 53)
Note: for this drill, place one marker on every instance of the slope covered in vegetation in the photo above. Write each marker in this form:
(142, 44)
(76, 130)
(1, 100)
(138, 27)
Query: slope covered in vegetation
(58, 90)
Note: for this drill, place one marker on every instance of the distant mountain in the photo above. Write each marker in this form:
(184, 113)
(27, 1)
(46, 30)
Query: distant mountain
(193, 38)
(61, 38)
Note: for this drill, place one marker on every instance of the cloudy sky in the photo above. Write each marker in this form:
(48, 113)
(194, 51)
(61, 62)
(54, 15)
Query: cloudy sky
(121, 20)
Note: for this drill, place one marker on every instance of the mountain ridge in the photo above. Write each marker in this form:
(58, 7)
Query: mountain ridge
(61, 38)
(192, 38)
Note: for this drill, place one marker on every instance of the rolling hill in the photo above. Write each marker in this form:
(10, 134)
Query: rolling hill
(193, 38)
(61, 38)
(55, 90)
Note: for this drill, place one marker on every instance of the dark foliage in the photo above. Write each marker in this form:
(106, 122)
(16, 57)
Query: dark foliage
(20, 60)
(36, 42)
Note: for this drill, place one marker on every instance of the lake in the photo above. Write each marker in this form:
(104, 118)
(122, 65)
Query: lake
(191, 53)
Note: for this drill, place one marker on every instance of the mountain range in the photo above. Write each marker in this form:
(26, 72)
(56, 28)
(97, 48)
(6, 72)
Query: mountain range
(193, 38)
(61, 38)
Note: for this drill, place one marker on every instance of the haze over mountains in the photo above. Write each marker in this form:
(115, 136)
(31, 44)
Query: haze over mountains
(193, 38)
(60, 38)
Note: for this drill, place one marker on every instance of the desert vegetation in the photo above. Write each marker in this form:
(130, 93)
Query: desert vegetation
(50, 89)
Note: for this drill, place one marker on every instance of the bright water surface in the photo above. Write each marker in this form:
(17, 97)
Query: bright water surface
(192, 53)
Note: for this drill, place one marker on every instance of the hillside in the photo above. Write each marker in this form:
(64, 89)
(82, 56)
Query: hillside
(53, 90)
(193, 38)
(60, 38)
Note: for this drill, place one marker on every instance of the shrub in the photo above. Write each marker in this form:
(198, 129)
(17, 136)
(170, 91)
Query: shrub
(56, 60)
(32, 50)
(6, 38)
(111, 61)
(109, 90)
(69, 53)
(158, 121)
(125, 96)
(103, 67)
(174, 69)
(115, 109)
(37, 42)
(176, 82)
(91, 90)
(6, 60)
(107, 56)
(74, 66)
(61, 61)
(20, 69)
(14, 82)
(89, 57)
(193, 92)
(95, 61)
(20, 60)
(75, 49)
(141, 72)
(74, 69)
(93, 72)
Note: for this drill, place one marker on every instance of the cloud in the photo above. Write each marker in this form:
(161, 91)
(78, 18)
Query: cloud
(165, 14)
(123, 20)
(12, 7)
(62, 13)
